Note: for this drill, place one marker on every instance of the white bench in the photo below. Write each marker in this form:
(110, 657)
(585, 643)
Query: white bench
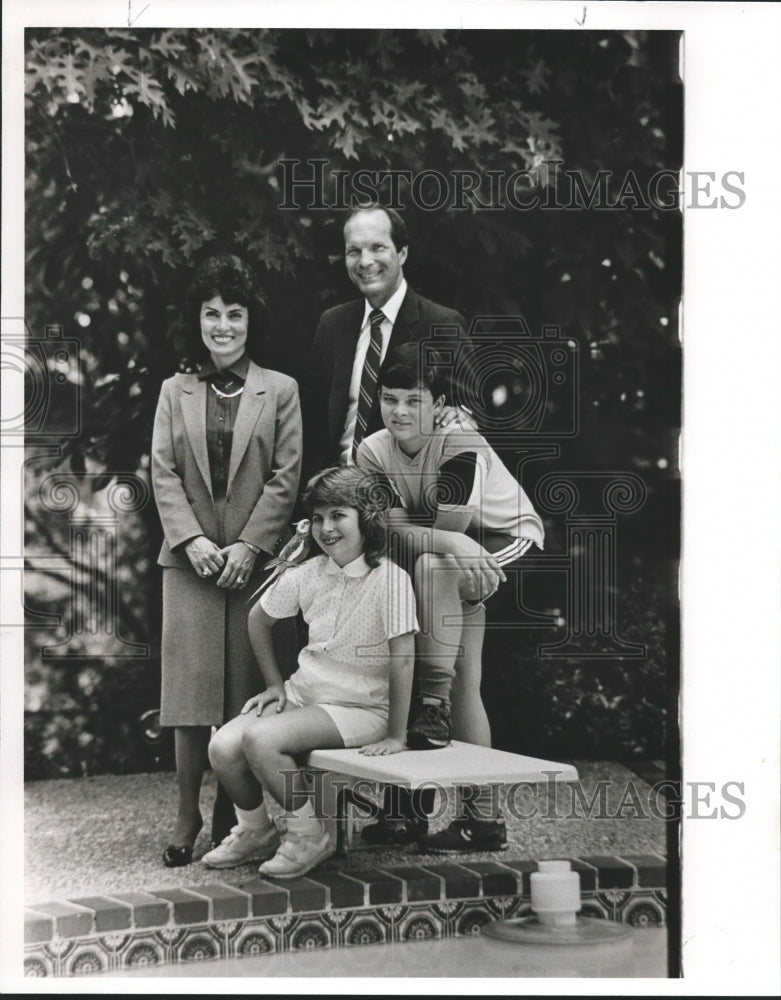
(454, 765)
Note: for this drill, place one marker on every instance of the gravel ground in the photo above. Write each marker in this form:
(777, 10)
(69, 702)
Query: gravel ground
(106, 834)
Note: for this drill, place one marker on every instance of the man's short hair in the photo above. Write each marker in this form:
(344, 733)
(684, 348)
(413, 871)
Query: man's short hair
(398, 227)
(404, 369)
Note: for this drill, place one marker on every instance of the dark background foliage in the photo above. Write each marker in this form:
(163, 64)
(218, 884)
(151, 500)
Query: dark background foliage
(146, 150)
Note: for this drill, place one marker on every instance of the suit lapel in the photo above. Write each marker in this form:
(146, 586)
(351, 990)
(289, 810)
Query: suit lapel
(250, 407)
(406, 321)
(193, 403)
(345, 342)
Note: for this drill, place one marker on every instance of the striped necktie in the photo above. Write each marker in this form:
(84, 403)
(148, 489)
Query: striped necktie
(371, 368)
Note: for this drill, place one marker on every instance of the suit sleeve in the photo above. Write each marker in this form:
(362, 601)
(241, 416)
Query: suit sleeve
(315, 392)
(176, 514)
(268, 523)
(465, 364)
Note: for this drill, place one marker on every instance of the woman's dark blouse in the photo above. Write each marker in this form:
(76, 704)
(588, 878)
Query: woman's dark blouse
(220, 418)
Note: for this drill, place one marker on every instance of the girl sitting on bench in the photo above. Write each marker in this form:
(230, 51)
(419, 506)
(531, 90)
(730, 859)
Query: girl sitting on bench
(352, 686)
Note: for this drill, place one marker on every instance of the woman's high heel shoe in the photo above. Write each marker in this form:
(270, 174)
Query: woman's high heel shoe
(179, 855)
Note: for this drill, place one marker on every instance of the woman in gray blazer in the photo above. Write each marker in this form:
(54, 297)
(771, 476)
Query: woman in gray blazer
(226, 460)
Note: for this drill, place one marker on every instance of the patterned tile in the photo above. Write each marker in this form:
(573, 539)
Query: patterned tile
(86, 958)
(37, 967)
(419, 924)
(252, 937)
(471, 921)
(644, 911)
(407, 906)
(368, 928)
(199, 944)
(312, 932)
(145, 950)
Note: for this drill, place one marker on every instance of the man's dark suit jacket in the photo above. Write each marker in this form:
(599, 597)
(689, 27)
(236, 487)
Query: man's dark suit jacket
(326, 388)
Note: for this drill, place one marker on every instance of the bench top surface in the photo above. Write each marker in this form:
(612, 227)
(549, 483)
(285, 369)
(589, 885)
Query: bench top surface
(457, 764)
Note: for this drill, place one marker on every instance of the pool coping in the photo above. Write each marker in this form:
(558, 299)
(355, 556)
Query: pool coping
(383, 903)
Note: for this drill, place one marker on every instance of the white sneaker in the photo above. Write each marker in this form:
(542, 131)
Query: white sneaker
(243, 845)
(299, 852)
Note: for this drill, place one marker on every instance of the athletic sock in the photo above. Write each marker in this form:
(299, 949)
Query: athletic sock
(435, 681)
(304, 820)
(253, 819)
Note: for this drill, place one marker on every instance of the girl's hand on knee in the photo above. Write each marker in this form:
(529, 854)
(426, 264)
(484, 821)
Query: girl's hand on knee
(388, 745)
(275, 693)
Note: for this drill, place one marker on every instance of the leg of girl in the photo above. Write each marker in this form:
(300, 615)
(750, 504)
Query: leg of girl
(270, 748)
(254, 837)
(252, 755)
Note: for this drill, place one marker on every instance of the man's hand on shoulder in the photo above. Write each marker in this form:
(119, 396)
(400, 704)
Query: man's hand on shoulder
(456, 414)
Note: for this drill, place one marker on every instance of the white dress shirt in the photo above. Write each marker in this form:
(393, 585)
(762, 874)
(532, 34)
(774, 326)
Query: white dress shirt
(390, 311)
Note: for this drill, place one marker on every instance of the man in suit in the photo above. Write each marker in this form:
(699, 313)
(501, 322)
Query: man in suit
(376, 248)
(340, 398)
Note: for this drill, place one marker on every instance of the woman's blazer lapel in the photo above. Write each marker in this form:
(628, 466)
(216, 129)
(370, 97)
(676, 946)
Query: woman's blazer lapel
(193, 403)
(250, 407)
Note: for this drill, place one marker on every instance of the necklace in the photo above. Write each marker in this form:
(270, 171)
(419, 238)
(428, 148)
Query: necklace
(227, 395)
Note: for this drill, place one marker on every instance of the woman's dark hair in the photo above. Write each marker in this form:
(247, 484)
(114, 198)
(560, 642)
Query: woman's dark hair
(232, 278)
(367, 492)
(398, 227)
(404, 369)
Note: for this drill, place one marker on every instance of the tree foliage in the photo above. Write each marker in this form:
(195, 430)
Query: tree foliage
(146, 149)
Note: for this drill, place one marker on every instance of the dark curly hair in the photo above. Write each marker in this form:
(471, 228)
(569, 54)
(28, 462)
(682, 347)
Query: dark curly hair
(369, 493)
(229, 276)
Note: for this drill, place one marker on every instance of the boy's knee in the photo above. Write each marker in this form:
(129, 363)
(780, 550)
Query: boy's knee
(425, 566)
(435, 573)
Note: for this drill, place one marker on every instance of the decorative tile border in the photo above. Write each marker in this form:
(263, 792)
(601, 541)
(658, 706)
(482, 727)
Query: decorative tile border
(324, 910)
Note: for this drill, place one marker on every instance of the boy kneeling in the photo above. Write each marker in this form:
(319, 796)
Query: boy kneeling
(461, 517)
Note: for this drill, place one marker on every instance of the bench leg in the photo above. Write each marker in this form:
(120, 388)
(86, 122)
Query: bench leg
(342, 819)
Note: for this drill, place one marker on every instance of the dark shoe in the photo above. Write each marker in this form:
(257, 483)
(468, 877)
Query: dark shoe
(394, 832)
(430, 729)
(466, 835)
(177, 857)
